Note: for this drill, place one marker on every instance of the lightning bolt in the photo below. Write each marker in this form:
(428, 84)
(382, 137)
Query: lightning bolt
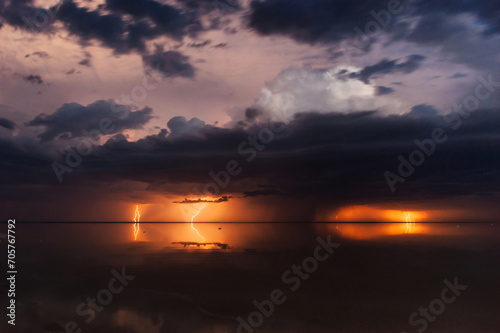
(192, 218)
(410, 219)
(137, 217)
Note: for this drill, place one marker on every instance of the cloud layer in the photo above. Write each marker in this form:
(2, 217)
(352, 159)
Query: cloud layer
(322, 159)
(75, 120)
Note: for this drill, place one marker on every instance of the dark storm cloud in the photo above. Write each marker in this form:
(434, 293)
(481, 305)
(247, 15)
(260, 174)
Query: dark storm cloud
(381, 90)
(312, 21)
(335, 156)
(433, 23)
(169, 63)
(74, 119)
(465, 30)
(411, 64)
(335, 20)
(35, 79)
(151, 19)
(224, 198)
(107, 24)
(434, 29)
(322, 159)
(168, 20)
(21, 163)
(91, 24)
(8, 124)
(23, 14)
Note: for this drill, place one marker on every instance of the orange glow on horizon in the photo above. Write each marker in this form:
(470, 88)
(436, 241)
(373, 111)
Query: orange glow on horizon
(137, 218)
(374, 214)
(401, 222)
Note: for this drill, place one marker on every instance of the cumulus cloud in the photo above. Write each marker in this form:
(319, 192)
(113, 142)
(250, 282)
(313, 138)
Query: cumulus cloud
(73, 119)
(179, 125)
(324, 90)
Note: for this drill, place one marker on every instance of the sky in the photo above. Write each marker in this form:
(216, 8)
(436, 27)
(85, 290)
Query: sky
(263, 110)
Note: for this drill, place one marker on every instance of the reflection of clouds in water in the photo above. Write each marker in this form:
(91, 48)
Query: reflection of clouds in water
(195, 291)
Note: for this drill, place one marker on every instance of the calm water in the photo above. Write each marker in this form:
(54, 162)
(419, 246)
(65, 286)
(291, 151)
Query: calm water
(373, 281)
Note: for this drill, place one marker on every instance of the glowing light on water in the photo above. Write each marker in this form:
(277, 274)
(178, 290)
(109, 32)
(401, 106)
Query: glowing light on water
(137, 218)
(410, 222)
(192, 218)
